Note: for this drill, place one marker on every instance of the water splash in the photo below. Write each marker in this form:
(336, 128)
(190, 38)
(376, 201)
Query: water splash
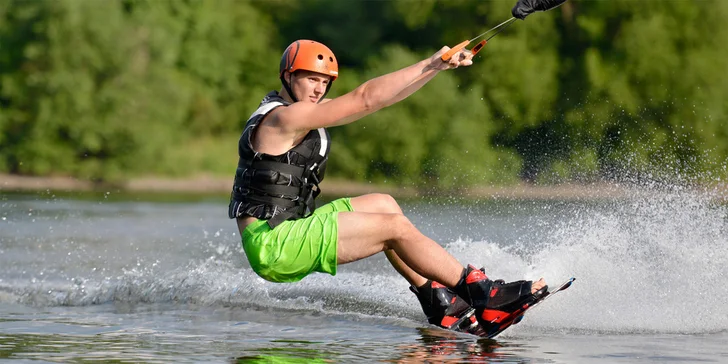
(653, 261)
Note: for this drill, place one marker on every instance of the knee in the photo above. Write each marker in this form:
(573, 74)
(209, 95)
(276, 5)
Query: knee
(379, 203)
(402, 229)
(385, 203)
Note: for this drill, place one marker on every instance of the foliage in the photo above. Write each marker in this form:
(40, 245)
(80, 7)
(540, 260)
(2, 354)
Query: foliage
(106, 90)
(420, 142)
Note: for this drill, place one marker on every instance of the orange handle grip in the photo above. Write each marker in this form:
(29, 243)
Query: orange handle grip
(479, 46)
(446, 57)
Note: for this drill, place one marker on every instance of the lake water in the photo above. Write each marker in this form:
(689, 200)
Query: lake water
(118, 278)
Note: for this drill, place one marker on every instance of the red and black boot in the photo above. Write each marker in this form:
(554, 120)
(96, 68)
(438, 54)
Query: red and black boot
(444, 308)
(497, 304)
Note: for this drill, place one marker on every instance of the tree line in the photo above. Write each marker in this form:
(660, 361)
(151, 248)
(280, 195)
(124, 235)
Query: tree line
(110, 90)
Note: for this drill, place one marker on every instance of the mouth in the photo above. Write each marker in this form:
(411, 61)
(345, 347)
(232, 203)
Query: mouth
(313, 98)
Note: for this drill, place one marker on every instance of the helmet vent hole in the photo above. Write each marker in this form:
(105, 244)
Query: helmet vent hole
(320, 57)
(331, 59)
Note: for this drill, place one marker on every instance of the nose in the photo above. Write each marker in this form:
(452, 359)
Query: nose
(320, 88)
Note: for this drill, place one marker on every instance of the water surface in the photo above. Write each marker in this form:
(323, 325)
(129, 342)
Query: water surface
(125, 279)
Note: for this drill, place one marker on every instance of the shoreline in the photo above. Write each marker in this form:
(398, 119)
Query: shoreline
(221, 186)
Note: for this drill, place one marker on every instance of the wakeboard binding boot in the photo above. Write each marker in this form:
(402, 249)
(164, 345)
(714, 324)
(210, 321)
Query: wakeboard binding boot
(497, 304)
(445, 309)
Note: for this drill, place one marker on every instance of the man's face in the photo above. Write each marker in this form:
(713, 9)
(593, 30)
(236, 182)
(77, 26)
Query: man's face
(309, 86)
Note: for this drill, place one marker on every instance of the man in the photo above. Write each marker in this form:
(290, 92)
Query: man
(283, 151)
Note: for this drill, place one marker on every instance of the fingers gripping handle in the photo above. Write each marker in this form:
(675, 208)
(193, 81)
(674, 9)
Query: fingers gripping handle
(478, 47)
(446, 57)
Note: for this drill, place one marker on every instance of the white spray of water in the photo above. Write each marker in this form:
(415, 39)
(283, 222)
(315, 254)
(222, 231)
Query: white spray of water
(652, 262)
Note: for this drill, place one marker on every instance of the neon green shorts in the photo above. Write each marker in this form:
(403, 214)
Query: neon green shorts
(295, 248)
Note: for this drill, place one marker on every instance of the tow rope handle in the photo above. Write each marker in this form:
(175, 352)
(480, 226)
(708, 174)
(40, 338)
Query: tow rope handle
(522, 9)
(446, 57)
(479, 46)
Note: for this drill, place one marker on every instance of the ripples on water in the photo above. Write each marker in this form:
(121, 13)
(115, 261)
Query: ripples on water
(164, 281)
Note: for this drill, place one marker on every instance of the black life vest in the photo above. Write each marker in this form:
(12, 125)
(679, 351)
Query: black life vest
(278, 187)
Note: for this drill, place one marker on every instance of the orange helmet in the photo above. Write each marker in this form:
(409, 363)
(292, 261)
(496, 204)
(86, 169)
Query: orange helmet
(311, 56)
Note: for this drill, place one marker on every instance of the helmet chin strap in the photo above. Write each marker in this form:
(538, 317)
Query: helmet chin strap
(288, 87)
(328, 87)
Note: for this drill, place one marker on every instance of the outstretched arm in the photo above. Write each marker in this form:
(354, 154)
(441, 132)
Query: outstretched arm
(414, 86)
(369, 97)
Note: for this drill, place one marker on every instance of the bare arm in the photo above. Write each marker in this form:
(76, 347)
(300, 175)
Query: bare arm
(414, 86)
(369, 97)
(465, 58)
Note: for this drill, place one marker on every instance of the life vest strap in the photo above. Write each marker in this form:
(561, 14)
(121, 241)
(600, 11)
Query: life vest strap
(279, 167)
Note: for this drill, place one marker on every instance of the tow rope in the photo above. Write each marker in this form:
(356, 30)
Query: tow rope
(520, 11)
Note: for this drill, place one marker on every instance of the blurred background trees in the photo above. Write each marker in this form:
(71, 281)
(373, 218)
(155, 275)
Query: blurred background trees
(110, 90)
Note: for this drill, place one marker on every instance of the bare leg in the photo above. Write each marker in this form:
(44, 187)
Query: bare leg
(377, 224)
(363, 234)
(381, 203)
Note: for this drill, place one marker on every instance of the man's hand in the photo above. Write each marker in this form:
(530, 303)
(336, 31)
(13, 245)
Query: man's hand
(461, 58)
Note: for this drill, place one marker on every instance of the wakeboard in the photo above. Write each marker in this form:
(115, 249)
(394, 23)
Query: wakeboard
(468, 322)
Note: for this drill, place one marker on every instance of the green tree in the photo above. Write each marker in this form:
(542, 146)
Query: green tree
(103, 90)
(439, 137)
(643, 91)
(107, 90)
